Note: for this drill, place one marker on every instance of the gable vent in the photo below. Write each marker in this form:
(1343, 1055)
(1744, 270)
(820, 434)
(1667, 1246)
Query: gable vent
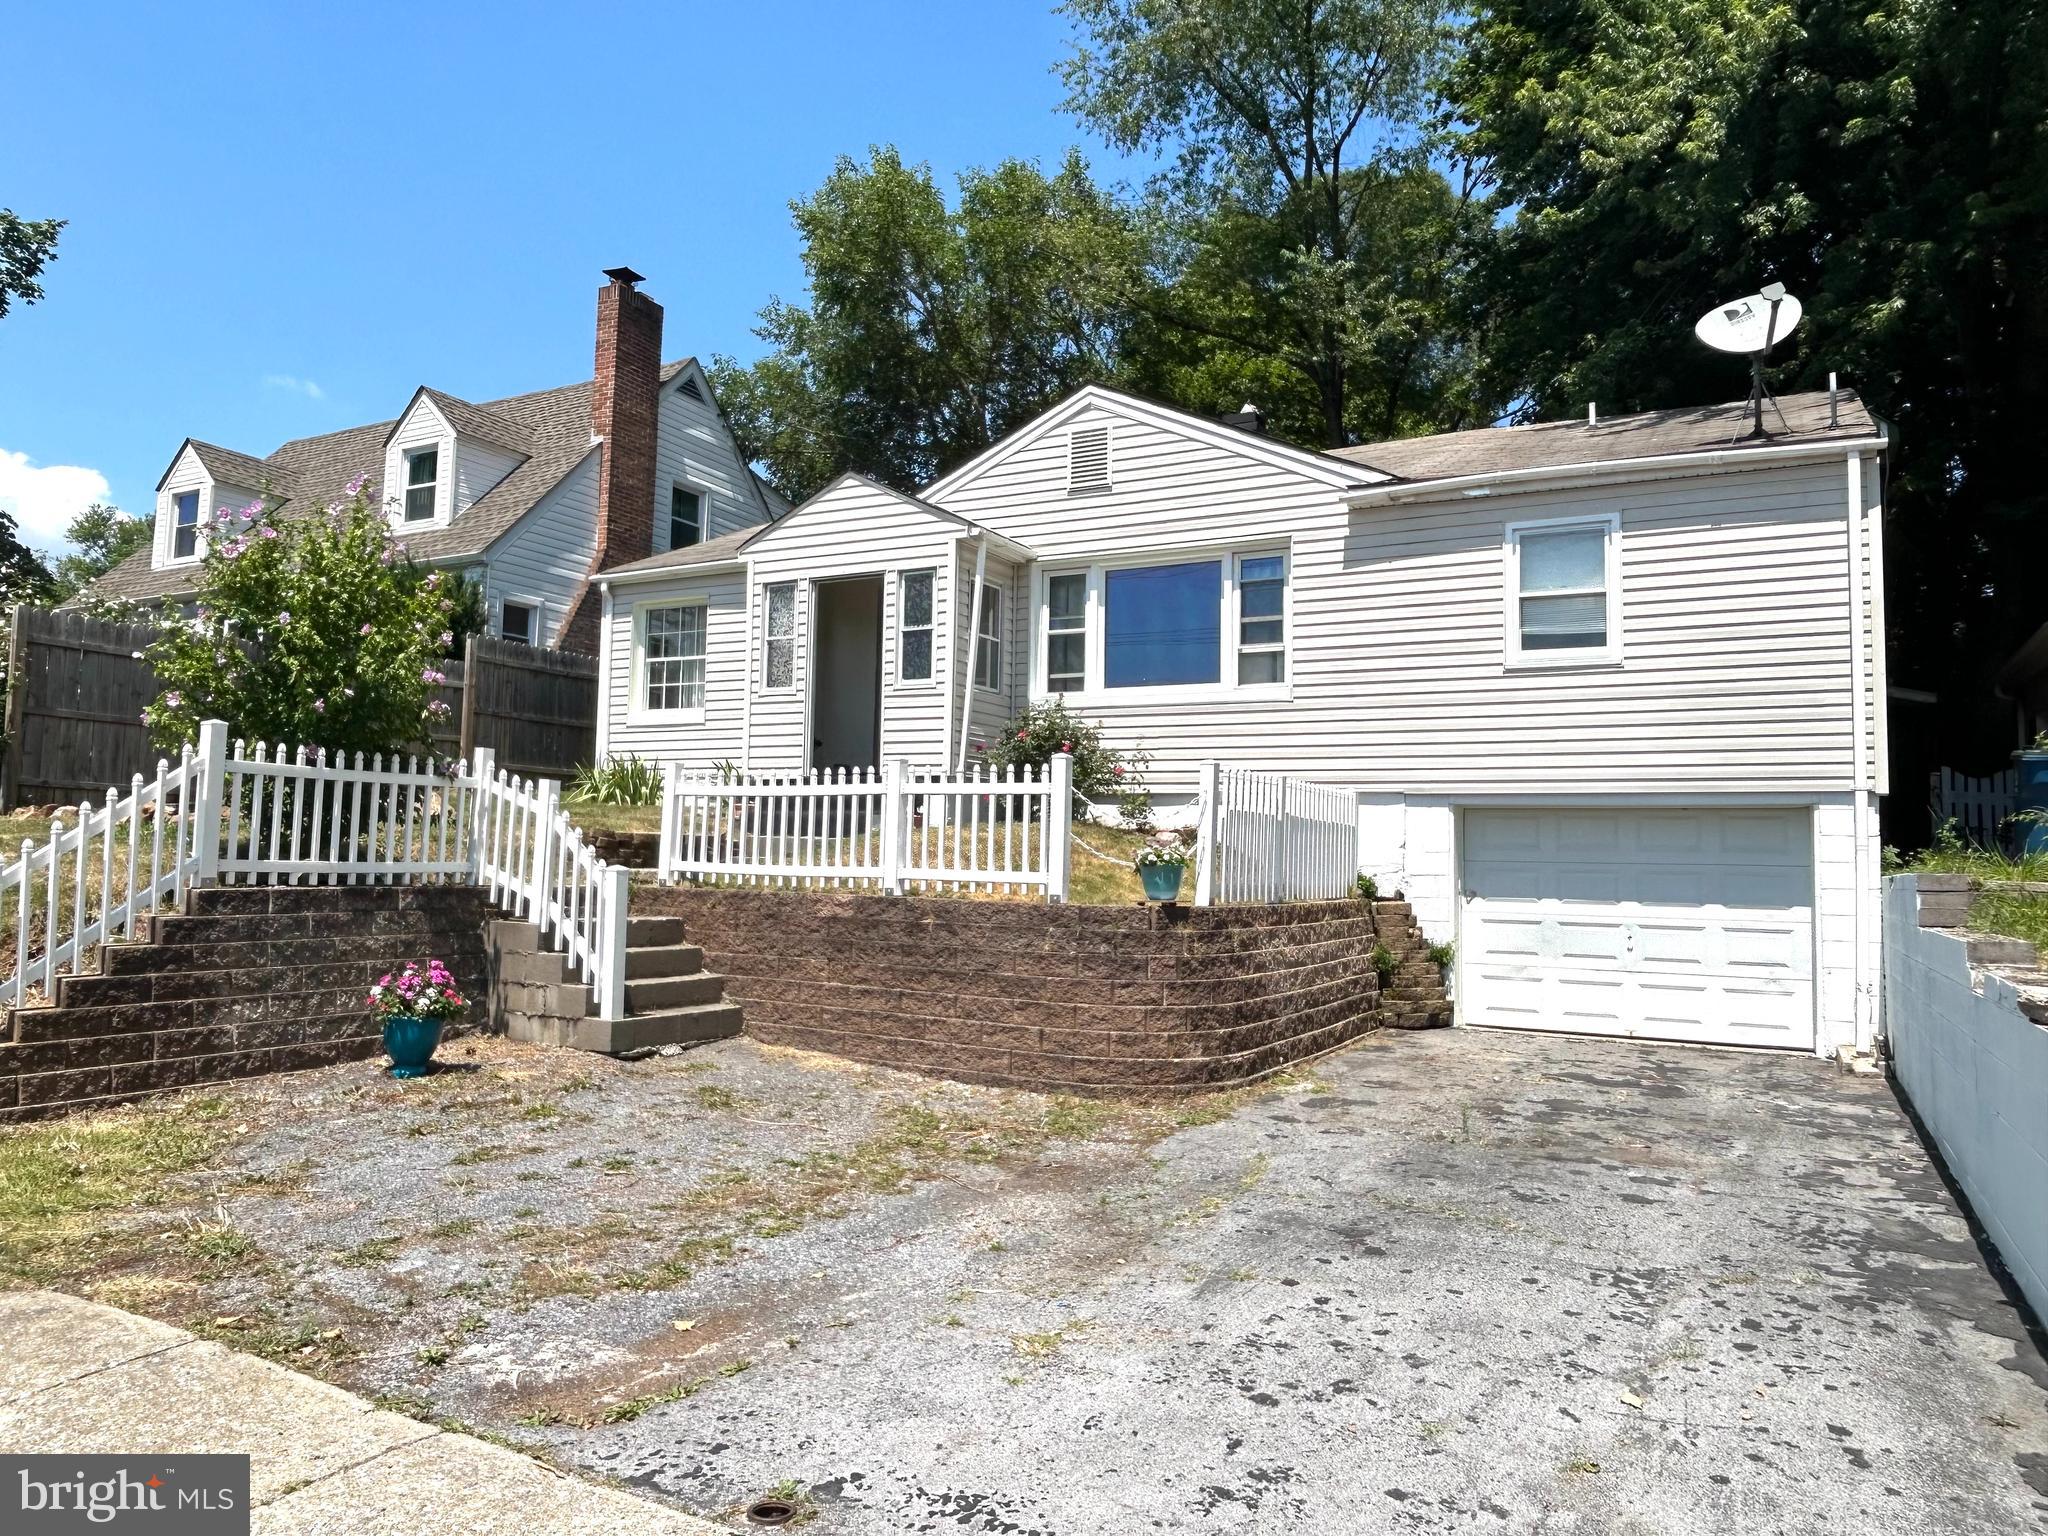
(689, 387)
(1087, 459)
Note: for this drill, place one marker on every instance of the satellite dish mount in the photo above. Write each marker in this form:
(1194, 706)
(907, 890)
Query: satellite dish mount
(1751, 327)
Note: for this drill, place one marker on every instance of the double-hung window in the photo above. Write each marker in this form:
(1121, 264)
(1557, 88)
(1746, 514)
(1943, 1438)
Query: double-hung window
(519, 620)
(988, 640)
(1066, 632)
(422, 477)
(914, 626)
(685, 517)
(185, 525)
(1562, 591)
(778, 635)
(672, 658)
(1216, 622)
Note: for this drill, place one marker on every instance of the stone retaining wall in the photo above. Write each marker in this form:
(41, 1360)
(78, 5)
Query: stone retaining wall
(1065, 998)
(247, 980)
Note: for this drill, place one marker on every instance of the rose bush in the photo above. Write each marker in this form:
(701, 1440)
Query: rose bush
(317, 631)
(1039, 732)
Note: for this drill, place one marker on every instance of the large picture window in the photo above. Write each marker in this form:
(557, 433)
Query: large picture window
(778, 636)
(672, 664)
(914, 627)
(1561, 591)
(1163, 624)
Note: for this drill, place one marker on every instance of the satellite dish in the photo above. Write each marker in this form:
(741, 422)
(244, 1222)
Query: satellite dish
(1754, 324)
(1751, 327)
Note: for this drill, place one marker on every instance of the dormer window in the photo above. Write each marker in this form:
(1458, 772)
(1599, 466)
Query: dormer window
(685, 517)
(422, 480)
(185, 526)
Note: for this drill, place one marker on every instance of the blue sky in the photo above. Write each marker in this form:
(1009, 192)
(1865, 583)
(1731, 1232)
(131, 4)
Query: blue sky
(283, 218)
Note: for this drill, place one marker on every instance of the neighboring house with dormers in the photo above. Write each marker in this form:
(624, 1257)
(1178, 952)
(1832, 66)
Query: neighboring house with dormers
(1610, 696)
(530, 494)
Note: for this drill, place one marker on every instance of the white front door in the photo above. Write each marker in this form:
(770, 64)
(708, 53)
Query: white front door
(1665, 924)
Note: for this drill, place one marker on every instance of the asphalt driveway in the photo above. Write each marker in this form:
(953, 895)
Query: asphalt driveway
(1449, 1281)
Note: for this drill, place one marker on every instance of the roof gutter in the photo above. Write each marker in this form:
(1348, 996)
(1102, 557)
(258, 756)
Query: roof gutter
(668, 572)
(1399, 491)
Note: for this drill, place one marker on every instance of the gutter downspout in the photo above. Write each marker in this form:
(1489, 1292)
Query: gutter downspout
(1858, 757)
(973, 651)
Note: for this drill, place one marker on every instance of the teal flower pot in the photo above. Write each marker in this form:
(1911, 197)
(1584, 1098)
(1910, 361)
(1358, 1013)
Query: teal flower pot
(411, 1043)
(1162, 881)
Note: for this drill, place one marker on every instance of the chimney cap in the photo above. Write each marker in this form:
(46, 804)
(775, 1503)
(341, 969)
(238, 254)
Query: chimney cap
(624, 275)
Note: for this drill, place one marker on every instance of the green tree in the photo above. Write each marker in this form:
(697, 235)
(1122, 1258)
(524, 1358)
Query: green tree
(309, 631)
(1887, 161)
(26, 247)
(931, 331)
(1314, 253)
(102, 537)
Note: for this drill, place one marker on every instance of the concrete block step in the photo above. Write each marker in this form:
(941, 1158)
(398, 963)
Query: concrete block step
(653, 932)
(675, 1026)
(648, 961)
(1989, 949)
(656, 993)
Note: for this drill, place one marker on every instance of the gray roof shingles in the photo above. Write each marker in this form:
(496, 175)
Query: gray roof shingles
(1555, 444)
(551, 427)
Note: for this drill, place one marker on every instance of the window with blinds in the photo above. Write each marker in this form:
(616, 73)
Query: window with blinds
(1562, 591)
(1087, 460)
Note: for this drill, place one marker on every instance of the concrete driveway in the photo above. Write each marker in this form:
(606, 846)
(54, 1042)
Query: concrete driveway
(1461, 1281)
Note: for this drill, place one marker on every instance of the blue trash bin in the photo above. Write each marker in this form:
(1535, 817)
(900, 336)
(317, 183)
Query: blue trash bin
(2031, 768)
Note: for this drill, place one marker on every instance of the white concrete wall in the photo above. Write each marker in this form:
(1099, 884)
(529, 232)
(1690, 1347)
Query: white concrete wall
(1976, 1071)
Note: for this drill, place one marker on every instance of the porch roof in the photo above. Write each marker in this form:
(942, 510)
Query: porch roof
(723, 550)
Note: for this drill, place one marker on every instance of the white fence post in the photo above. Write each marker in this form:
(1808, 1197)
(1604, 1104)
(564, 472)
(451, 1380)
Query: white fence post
(1058, 835)
(547, 794)
(671, 812)
(617, 897)
(204, 808)
(895, 825)
(1208, 811)
(483, 765)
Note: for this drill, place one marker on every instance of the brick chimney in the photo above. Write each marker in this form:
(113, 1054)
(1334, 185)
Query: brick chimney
(625, 406)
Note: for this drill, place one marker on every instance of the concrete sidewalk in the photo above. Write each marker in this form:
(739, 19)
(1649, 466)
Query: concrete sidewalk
(77, 1377)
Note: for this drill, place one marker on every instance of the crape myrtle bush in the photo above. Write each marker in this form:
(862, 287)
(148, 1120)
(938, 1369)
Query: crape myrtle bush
(319, 631)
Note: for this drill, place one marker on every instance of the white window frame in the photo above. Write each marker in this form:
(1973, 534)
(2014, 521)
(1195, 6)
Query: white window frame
(532, 605)
(796, 630)
(637, 710)
(703, 495)
(407, 487)
(198, 526)
(1042, 669)
(931, 679)
(1095, 694)
(991, 613)
(1516, 658)
(1234, 579)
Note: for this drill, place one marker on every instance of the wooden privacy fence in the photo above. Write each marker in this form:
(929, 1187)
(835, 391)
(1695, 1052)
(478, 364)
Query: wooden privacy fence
(77, 689)
(893, 830)
(1263, 837)
(1980, 808)
(276, 815)
(75, 694)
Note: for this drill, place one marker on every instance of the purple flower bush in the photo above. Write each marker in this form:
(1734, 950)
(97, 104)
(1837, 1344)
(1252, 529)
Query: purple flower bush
(416, 993)
(311, 631)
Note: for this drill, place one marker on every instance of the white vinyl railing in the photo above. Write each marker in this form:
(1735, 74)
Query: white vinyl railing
(280, 815)
(1263, 837)
(1980, 808)
(894, 830)
(534, 863)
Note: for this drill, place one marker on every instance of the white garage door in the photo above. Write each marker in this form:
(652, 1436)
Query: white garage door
(1671, 925)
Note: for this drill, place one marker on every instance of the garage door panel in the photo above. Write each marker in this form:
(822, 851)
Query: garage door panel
(1690, 925)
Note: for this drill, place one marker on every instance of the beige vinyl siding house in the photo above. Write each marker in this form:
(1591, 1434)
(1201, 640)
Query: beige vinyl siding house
(1609, 698)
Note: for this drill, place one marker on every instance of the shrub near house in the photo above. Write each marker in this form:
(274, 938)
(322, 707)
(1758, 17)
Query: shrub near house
(319, 631)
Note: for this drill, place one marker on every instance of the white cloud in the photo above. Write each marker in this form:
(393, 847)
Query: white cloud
(285, 381)
(44, 498)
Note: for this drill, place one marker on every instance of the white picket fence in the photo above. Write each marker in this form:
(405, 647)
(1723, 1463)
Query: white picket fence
(1262, 837)
(1980, 808)
(277, 815)
(895, 829)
